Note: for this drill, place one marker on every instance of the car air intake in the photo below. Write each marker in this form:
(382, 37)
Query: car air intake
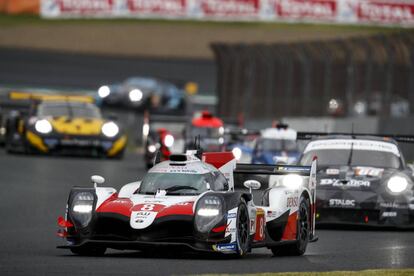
(178, 157)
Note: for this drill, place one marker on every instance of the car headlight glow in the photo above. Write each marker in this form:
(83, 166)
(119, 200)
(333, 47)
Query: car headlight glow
(82, 207)
(292, 181)
(209, 213)
(152, 148)
(397, 184)
(110, 129)
(135, 95)
(104, 91)
(43, 126)
(237, 152)
(168, 140)
(221, 130)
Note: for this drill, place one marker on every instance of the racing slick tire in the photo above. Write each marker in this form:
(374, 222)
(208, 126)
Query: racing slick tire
(243, 229)
(303, 233)
(89, 251)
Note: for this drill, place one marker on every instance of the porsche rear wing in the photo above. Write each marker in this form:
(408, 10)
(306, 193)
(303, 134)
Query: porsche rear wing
(38, 96)
(397, 137)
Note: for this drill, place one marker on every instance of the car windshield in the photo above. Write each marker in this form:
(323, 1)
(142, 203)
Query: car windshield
(205, 132)
(174, 183)
(145, 83)
(266, 144)
(340, 157)
(68, 110)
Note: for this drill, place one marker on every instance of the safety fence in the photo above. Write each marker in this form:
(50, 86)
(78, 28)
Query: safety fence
(358, 76)
(385, 12)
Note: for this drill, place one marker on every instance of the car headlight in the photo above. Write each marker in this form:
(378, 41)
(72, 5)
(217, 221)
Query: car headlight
(292, 181)
(135, 95)
(104, 91)
(397, 184)
(152, 148)
(82, 208)
(43, 126)
(209, 213)
(168, 140)
(110, 129)
(237, 153)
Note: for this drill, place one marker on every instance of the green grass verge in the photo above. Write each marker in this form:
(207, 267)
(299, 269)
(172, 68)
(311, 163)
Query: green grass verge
(379, 272)
(12, 20)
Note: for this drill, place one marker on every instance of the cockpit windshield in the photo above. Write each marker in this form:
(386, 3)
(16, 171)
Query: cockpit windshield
(175, 183)
(69, 110)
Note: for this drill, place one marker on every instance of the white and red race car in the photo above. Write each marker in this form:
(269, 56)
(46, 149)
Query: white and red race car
(189, 202)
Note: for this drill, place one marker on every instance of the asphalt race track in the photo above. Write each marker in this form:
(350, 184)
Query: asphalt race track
(88, 71)
(34, 191)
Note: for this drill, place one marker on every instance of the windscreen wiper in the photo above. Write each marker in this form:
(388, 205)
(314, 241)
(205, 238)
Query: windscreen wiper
(179, 187)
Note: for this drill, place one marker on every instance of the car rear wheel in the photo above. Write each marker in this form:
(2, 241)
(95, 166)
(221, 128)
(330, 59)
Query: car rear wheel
(243, 229)
(303, 233)
(89, 251)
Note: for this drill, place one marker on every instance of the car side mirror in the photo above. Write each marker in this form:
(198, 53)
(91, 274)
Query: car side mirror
(252, 185)
(97, 179)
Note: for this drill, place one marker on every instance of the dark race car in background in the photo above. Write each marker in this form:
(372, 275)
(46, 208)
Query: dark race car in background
(146, 93)
(61, 124)
(362, 180)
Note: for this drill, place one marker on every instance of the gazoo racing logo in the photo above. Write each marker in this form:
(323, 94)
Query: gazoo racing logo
(335, 202)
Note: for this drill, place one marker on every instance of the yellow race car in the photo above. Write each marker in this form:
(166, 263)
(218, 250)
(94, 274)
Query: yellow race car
(63, 125)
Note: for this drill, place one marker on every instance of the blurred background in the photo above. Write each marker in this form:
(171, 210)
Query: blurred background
(317, 65)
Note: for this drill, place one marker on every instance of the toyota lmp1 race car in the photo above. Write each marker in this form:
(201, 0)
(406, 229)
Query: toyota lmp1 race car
(362, 180)
(61, 124)
(189, 202)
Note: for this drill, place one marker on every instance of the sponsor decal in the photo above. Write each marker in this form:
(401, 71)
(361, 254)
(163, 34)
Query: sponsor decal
(365, 171)
(292, 202)
(173, 7)
(315, 9)
(292, 168)
(345, 144)
(231, 215)
(142, 219)
(349, 183)
(252, 225)
(332, 171)
(389, 214)
(335, 202)
(225, 247)
(389, 205)
(385, 11)
(230, 7)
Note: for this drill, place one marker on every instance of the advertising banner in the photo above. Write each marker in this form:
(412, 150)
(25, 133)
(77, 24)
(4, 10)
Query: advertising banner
(158, 7)
(395, 12)
(230, 8)
(375, 12)
(318, 10)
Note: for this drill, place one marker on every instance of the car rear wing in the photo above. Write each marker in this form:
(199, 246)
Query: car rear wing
(397, 137)
(272, 169)
(28, 96)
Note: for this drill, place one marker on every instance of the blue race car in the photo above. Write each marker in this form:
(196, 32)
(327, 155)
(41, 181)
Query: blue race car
(276, 146)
